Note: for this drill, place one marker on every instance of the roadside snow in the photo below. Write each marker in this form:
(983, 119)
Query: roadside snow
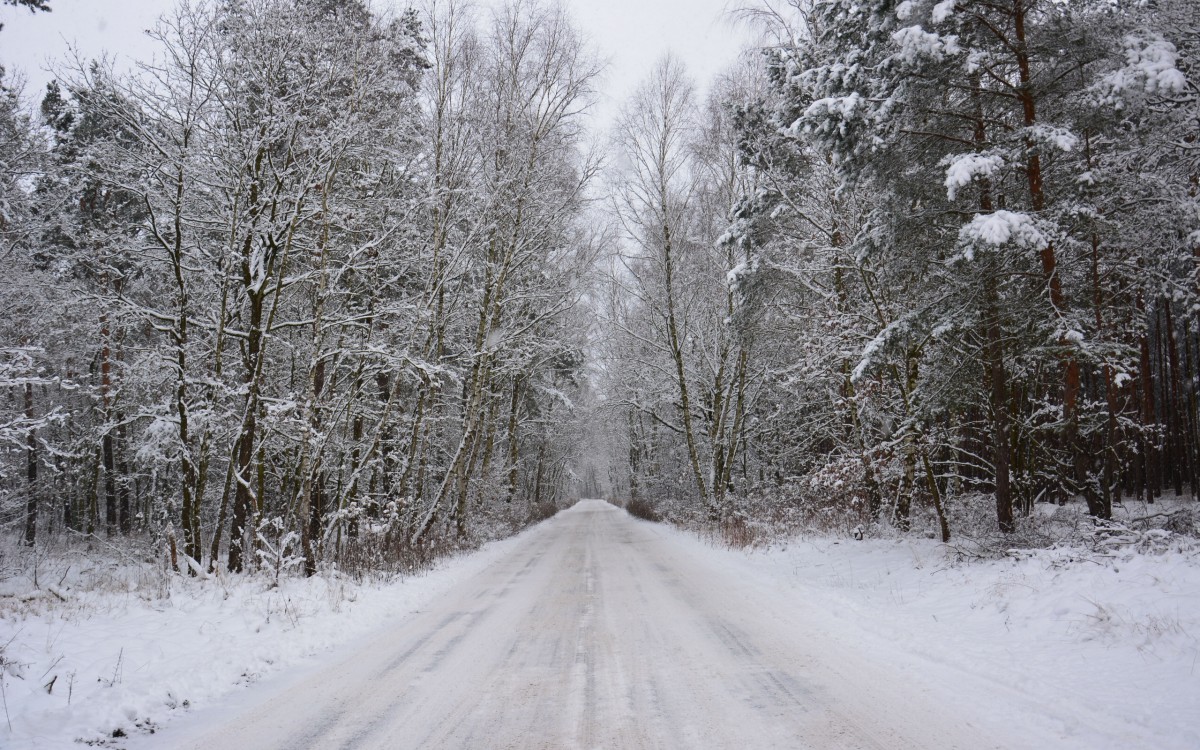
(1074, 650)
(124, 663)
(1066, 648)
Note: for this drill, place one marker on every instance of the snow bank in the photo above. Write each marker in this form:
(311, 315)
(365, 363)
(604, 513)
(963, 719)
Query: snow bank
(105, 664)
(1073, 649)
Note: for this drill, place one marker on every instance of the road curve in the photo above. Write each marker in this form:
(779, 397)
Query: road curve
(600, 631)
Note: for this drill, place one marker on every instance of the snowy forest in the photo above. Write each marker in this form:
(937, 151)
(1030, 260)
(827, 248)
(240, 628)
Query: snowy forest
(684, 374)
(913, 256)
(324, 285)
(308, 286)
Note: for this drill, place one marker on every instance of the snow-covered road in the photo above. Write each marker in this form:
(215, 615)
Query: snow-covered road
(599, 631)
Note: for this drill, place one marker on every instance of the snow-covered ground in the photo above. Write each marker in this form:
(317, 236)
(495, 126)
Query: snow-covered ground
(125, 662)
(1072, 648)
(664, 633)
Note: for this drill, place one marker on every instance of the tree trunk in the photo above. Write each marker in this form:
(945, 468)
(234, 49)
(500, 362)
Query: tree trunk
(244, 501)
(677, 354)
(1149, 446)
(110, 483)
(106, 440)
(1175, 416)
(1049, 258)
(514, 409)
(998, 401)
(312, 476)
(31, 471)
(993, 349)
(124, 520)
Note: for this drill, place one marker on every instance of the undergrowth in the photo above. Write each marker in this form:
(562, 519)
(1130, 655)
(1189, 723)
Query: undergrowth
(764, 518)
(75, 573)
(644, 509)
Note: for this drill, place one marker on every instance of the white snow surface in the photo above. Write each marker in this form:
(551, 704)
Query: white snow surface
(963, 169)
(131, 661)
(1001, 227)
(1068, 648)
(1150, 72)
(597, 630)
(1056, 137)
(943, 10)
(916, 44)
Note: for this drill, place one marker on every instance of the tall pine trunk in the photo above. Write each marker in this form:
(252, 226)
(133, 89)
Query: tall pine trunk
(31, 470)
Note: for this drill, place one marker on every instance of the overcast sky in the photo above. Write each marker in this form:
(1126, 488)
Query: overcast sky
(631, 34)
